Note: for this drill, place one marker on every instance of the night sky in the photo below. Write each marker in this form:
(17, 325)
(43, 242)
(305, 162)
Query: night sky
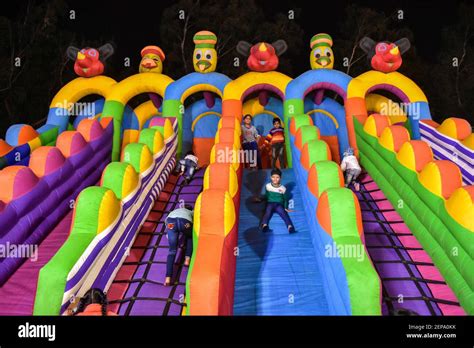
(133, 25)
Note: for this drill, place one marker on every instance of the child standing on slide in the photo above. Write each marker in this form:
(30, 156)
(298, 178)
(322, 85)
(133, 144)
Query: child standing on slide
(276, 138)
(350, 166)
(277, 202)
(250, 137)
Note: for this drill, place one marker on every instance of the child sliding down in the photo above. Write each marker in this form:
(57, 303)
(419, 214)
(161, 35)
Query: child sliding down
(277, 202)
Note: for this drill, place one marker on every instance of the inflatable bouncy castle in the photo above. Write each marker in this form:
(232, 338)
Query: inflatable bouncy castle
(85, 197)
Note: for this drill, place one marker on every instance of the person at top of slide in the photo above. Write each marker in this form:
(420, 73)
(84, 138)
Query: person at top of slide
(187, 166)
(178, 221)
(276, 138)
(93, 303)
(350, 166)
(277, 202)
(250, 137)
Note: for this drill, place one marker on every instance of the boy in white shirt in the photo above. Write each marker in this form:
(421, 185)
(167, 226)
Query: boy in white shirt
(350, 165)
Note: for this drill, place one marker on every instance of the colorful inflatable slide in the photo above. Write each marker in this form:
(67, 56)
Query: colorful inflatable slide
(90, 190)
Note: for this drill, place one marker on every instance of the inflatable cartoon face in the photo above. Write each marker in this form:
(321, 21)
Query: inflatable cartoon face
(89, 61)
(262, 56)
(205, 55)
(385, 56)
(152, 60)
(322, 56)
(204, 60)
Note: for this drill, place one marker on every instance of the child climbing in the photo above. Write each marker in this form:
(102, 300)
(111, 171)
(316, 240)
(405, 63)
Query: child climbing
(250, 137)
(178, 221)
(276, 138)
(187, 166)
(93, 303)
(351, 167)
(277, 202)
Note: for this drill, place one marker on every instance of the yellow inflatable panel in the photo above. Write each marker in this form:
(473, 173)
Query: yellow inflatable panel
(385, 106)
(375, 124)
(109, 210)
(145, 111)
(456, 128)
(469, 141)
(460, 206)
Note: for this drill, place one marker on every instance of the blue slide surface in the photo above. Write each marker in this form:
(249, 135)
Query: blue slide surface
(277, 273)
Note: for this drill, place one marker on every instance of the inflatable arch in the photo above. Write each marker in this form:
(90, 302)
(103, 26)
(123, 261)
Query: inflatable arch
(144, 112)
(125, 90)
(262, 119)
(237, 90)
(299, 88)
(200, 127)
(71, 93)
(21, 139)
(330, 118)
(406, 90)
(187, 85)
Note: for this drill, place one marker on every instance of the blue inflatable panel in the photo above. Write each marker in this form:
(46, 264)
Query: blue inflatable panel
(89, 111)
(263, 123)
(206, 127)
(277, 273)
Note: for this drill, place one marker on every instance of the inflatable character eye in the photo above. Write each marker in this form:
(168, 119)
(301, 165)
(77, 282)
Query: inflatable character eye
(327, 52)
(92, 53)
(317, 52)
(198, 54)
(83, 50)
(208, 54)
(381, 47)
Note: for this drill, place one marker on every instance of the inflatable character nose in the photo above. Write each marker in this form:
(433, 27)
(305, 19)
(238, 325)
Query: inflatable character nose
(80, 56)
(148, 63)
(395, 50)
(262, 47)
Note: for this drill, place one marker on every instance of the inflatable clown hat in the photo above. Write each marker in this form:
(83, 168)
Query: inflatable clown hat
(152, 59)
(322, 56)
(205, 55)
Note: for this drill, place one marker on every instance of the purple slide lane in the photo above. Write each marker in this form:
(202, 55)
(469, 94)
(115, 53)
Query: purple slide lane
(410, 280)
(138, 286)
(17, 295)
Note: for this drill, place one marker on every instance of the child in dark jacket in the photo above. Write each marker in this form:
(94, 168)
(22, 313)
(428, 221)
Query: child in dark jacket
(93, 303)
(276, 138)
(277, 202)
(188, 166)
